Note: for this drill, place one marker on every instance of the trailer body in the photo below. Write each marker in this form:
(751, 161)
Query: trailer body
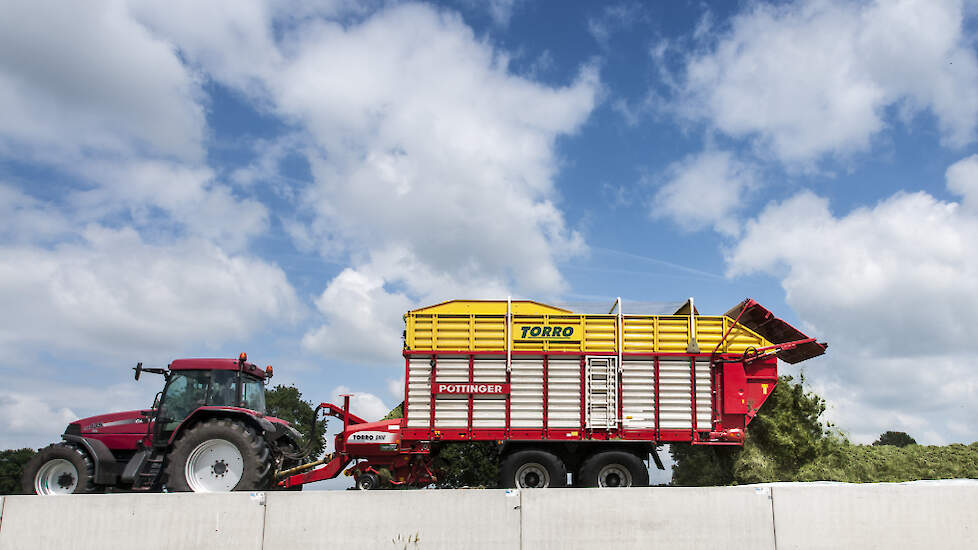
(538, 377)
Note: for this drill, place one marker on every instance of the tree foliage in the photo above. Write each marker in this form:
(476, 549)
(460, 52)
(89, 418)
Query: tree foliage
(789, 441)
(785, 434)
(12, 463)
(286, 402)
(897, 439)
(467, 464)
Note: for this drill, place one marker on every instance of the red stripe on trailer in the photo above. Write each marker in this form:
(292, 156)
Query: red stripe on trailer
(620, 424)
(582, 396)
(431, 400)
(655, 383)
(508, 399)
(692, 370)
(546, 396)
(471, 396)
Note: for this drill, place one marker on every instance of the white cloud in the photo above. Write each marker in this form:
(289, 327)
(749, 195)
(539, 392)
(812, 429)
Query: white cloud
(365, 405)
(434, 164)
(80, 78)
(363, 321)
(23, 415)
(705, 190)
(114, 295)
(893, 288)
(962, 179)
(188, 195)
(816, 77)
(396, 388)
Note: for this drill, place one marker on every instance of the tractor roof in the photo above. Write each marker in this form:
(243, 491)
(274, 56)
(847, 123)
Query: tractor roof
(215, 364)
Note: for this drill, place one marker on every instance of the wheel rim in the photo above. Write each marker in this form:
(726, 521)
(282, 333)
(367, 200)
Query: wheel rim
(214, 466)
(366, 482)
(56, 477)
(532, 476)
(614, 475)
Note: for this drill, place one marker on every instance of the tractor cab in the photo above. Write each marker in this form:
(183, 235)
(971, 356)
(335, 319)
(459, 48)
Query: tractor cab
(195, 383)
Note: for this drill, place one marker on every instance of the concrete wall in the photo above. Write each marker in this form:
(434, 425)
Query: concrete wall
(781, 516)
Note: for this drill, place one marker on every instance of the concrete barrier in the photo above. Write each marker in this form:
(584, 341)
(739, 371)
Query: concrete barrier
(126, 521)
(876, 516)
(666, 517)
(785, 516)
(393, 519)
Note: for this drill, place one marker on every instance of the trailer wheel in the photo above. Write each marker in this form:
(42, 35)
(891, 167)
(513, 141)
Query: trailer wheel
(368, 481)
(217, 456)
(532, 470)
(613, 469)
(59, 469)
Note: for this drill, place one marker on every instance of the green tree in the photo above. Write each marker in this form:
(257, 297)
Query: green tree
(898, 439)
(467, 464)
(286, 402)
(12, 463)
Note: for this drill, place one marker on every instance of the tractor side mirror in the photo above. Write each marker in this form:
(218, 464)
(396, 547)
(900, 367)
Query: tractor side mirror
(138, 369)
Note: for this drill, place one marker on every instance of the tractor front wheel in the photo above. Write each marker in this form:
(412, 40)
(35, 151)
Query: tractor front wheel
(217, 456)
(58, 469)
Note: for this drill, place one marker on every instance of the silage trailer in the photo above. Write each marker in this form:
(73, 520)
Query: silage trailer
(592, 395)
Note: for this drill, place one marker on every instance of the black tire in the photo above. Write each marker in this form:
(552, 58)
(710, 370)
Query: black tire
(613, 469)
(78, 482)
(368, 481)
(257, 462)
(532, 469)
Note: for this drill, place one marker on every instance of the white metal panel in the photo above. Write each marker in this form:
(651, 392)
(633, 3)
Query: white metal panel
(564, 393)
(526, 393)
(419, 391)
(489, 411)
(638, 393)
(675, 394)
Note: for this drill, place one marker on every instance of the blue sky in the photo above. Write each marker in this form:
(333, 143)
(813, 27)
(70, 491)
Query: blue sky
(287, 178)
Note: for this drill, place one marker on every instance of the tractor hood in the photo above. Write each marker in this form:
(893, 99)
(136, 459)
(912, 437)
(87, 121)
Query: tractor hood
(117, 422)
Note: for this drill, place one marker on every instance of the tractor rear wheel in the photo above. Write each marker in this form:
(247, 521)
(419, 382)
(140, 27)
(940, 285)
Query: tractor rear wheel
(59, 469)
(217, 456)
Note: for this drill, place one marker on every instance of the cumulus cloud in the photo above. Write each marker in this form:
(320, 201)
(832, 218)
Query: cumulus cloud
(23, 415)
(705, 190)
(434, 164)
(365, 405)
(817, 77)
(112, 294)
(81, 78)
(892, 287)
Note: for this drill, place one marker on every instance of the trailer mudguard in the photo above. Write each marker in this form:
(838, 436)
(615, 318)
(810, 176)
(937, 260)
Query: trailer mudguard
(106, 467)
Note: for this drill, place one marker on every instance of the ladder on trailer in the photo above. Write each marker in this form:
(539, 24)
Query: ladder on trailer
(601, 393)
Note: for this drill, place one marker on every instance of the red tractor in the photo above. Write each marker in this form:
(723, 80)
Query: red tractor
(206, 432)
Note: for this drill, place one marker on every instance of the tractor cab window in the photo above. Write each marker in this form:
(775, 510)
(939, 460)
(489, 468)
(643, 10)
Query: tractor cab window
(185, 391)
(253, 394)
